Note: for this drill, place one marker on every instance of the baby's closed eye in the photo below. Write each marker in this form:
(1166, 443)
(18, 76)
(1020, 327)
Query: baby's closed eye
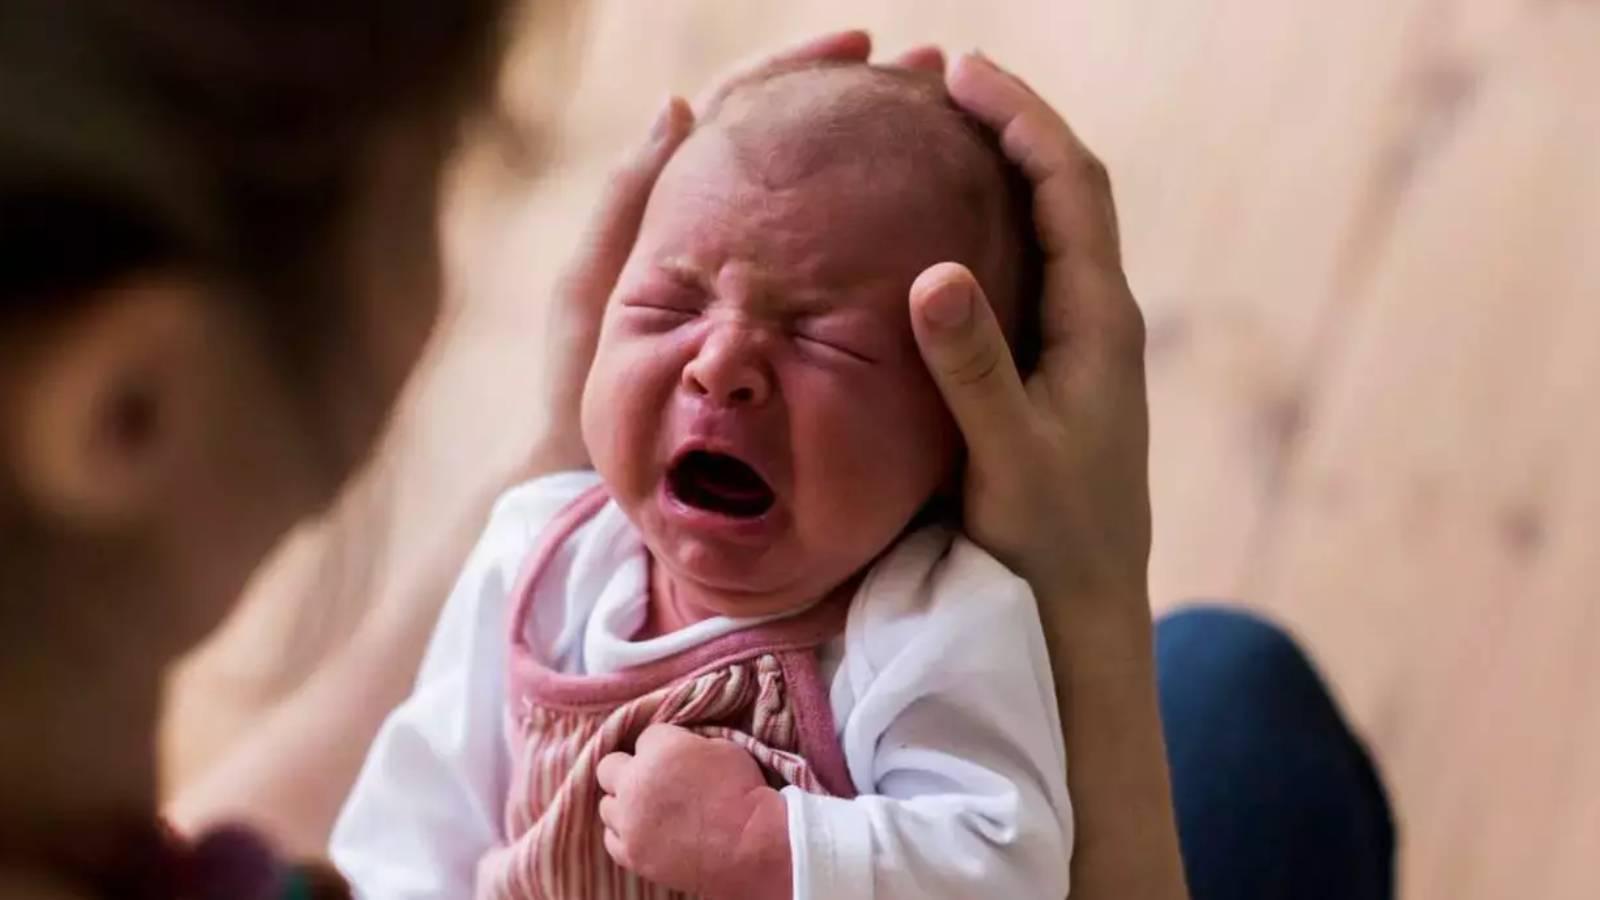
(646, 318)
(835, 335)
(682, 311)
(662, 306)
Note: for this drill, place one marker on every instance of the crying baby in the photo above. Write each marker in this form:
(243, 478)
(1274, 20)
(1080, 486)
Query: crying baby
(748, 656)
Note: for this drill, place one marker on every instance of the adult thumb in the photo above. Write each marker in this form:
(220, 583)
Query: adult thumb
(966, 353)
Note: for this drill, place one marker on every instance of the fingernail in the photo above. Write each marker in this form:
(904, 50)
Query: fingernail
(976, 57)
(950, 307)
(663, 123)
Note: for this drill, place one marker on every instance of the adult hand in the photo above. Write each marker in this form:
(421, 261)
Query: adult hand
(1057, 483)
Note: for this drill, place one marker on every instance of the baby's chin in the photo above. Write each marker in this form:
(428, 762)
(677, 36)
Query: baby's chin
(739, 595)
(712, 583)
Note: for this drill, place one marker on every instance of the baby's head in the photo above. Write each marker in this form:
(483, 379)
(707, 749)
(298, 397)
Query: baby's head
(757, 404)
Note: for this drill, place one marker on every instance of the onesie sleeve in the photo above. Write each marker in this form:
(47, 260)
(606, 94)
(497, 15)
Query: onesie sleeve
(429, 800)
(952, 738)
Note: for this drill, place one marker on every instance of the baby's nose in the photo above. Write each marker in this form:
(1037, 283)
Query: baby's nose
(729, 371)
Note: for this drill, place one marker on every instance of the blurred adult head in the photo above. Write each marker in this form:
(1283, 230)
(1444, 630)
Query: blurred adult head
(217, 263)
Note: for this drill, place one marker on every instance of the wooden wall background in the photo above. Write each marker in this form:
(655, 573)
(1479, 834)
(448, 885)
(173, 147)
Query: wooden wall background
(1365, 233)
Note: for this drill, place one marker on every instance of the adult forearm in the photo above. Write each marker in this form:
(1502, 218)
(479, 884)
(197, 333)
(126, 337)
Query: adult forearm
(291, 775)
(1104, 668)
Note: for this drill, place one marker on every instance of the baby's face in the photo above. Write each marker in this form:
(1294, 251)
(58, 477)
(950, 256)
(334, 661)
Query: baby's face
(757, 405)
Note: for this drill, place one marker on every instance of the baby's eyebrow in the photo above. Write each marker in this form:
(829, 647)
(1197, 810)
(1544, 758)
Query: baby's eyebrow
(683, 272)
(798, 302)
(815, 303)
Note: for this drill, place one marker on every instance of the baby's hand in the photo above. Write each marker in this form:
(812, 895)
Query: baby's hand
(695, 814)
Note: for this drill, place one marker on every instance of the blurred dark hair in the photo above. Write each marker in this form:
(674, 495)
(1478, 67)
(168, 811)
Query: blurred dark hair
(228, 136)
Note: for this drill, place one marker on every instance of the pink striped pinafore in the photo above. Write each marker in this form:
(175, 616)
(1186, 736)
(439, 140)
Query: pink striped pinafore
(759, 687)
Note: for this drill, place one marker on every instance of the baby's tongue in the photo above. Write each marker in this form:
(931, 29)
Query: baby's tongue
(723, 484)
(731, 481)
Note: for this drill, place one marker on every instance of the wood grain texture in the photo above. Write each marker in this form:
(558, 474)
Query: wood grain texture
(1364, 234)
(1435, 538)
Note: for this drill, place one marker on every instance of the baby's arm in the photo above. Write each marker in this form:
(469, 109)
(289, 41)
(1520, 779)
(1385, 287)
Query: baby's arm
(954, 725)
(428, 803)
(695, 814)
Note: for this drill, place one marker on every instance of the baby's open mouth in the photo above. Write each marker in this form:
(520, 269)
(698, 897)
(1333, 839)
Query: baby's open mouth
(719, 483)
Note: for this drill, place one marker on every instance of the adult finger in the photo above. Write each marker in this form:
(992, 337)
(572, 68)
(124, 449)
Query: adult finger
(611, 771)
(852, 45)
(1074, 212)
(610, 234)
(1079, 216)
(925, 58)
(966, 353)
(840, 46)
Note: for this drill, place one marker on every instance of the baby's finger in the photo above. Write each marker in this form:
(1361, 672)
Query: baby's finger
(841, 46)
(611, 771)
(659, 739)
(610, 811)
(612, 230)
(617, 849)
(966, 353)
(926, 58)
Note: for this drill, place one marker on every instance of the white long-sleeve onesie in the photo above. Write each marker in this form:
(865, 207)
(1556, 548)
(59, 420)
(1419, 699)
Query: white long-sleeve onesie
(940, 689)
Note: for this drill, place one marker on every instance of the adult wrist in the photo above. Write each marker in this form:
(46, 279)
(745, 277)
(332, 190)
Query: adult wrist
(1075, 603)
(1097, 638)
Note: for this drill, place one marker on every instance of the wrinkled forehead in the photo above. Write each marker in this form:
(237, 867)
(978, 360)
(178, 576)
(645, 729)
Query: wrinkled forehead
(833, 239)
(843, 172)
(906, 144)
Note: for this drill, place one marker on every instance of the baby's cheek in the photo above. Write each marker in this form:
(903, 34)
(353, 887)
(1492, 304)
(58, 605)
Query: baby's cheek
(890, 439)
(624, 404)
(920, 411)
